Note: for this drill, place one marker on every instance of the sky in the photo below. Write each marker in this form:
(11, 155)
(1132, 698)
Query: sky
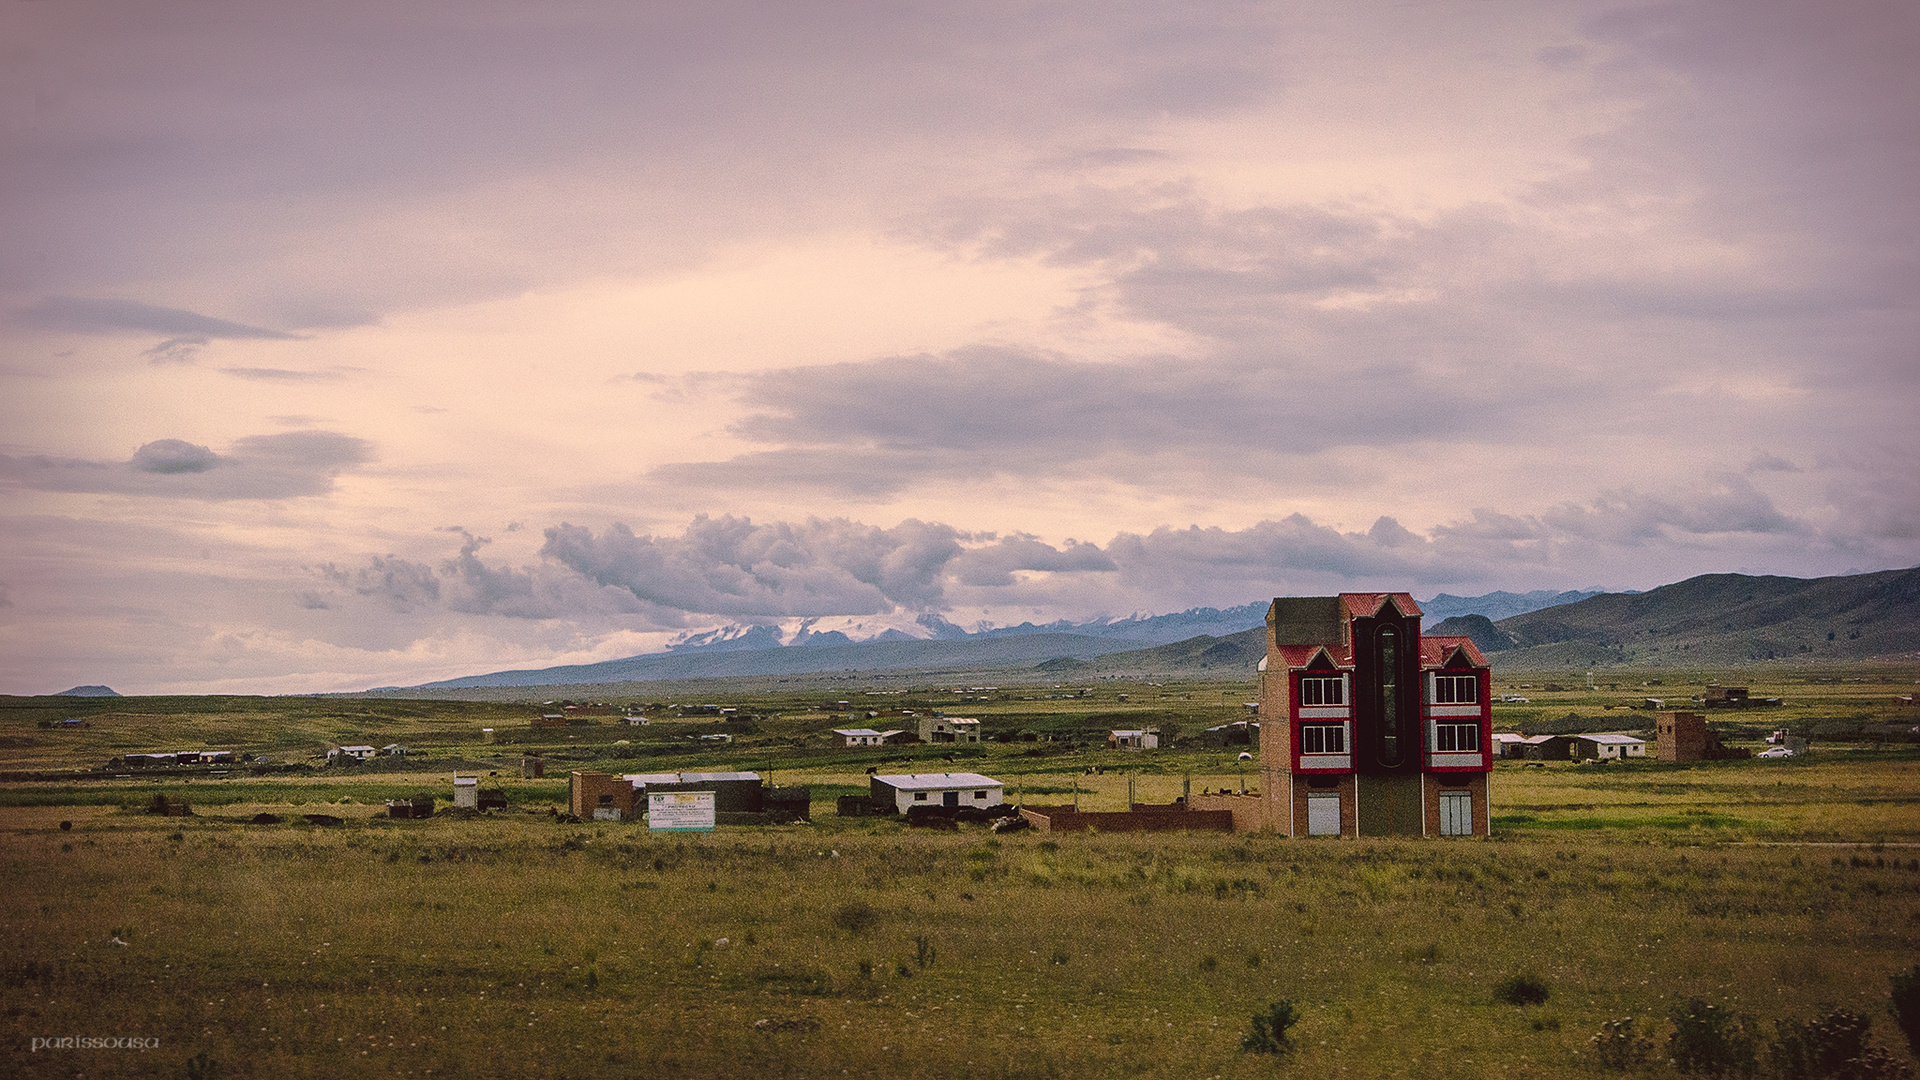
(367, 344)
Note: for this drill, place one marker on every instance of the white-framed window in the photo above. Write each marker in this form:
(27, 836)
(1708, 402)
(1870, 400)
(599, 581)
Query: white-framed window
(1456, 738)
(1323, 738)
(1456, 689)
(1320, 690)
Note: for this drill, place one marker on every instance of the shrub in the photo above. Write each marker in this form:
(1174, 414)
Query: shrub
(1269, 1029)
(1618, 1047)
(1906, 1006)
(856, 917)
(1522, 989)
(1833, 1047)
(1709, 1040)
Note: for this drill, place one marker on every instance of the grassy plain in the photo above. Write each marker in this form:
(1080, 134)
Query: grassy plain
(513, 945)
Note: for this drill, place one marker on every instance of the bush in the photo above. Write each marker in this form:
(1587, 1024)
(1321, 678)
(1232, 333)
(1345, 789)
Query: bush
(1522, 989)
(857, 917)
(1834, 1047)
(1269, 1034)
(1906, 1006)
(1618, 1047)
(1709, 1040)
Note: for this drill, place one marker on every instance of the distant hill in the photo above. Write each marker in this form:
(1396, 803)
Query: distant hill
(1721, 619)
(1489, 637)
(1497, 605)
(88, 691)
(1726, 619)
(803, 660)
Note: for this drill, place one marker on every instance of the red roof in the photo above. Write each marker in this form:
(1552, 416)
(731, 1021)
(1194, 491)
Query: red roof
(1365, 605)
(1434, 651)
(1299, 656)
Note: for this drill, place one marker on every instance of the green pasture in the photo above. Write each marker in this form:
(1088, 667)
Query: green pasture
(514, 945)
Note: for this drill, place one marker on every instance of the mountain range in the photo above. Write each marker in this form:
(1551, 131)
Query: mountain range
(1715, 619)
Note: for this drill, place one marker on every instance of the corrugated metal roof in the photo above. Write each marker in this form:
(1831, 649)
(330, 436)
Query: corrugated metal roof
(925, 781)
(1618, 739)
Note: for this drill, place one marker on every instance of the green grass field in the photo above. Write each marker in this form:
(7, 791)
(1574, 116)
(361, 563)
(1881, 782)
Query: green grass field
(511, 945)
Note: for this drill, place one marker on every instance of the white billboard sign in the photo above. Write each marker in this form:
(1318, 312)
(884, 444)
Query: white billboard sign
(680, 811)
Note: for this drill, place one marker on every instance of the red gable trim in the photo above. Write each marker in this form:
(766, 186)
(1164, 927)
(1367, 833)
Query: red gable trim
(1438, 651)
(1366, 605)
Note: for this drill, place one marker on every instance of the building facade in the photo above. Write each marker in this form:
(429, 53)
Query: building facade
(1368, 727)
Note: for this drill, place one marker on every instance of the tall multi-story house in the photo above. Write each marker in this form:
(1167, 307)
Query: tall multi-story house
(1368, 727)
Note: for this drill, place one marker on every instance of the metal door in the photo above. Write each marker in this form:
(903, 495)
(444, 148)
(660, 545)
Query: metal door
(1323, 814)
(1456, 813)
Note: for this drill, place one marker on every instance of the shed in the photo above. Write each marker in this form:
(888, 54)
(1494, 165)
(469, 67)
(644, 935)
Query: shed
(350, 753)
(1134, 739)
(900, 793)
(949, 729)
(1608, 747)
(866, 736)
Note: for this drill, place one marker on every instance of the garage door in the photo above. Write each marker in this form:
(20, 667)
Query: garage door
(1323, 814)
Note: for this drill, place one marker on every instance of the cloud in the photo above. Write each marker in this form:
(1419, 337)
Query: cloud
(103, 316)
(400, 584)
(1731, 505)
(286, 465)
(256, 374)
(730, 566)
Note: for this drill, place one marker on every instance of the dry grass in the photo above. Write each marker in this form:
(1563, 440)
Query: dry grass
(518, 947)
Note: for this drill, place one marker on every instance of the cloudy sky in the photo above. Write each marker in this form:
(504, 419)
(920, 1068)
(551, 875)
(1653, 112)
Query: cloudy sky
(354, 344)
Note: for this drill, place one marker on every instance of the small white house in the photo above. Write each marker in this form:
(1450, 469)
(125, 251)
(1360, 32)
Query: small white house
(953, 791)
(1507, 744)
(466, 792)
(1136, 739)
(949, 729)
(638, 721)
(864, 736)
(1608, 747)
(351, 753)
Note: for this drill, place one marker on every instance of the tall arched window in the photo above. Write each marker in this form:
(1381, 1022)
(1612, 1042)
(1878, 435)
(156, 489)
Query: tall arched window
(1388, 656)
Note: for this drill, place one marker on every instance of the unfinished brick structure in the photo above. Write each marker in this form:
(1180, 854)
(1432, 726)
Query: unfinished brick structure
(1369, 728)
(610, 796)
(1684, 736)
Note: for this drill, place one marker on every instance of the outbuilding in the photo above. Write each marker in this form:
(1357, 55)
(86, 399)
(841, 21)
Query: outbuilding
(1607, 747)
(900, 793)
(866, 736)
(1134, 739)
(949, 729)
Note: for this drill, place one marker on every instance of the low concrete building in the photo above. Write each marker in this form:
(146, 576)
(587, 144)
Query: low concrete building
(949, 729)
(1608, 747)
(867, 736)
(1513, 746)
(351, 753)
(953, 791)
(606, 797)
(466, 793)
(1134, 739)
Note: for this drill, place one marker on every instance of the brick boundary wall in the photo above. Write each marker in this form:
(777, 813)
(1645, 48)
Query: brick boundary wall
(1175, 818)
